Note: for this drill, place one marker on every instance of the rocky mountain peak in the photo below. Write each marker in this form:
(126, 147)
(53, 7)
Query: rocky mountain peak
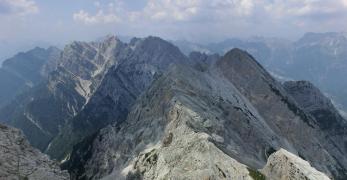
(25, 70)
(140, 63)
(90, 61)
(34, 57)
(243, 65)
(275, 105)
(329, 39)
(154, 44)
(237, 55)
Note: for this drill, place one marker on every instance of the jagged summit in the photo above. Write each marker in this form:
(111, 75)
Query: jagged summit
(138, 65)
(78, 72)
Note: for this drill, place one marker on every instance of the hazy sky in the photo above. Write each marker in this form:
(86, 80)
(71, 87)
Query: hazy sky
(60, 21)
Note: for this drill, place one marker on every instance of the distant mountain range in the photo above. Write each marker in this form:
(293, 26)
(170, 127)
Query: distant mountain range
(25, 70)
(144, 110)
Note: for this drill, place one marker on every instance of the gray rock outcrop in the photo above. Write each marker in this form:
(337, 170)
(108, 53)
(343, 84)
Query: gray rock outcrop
(283, 165)
(18, 160)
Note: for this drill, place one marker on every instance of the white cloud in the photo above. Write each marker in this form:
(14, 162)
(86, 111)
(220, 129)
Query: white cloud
(185, 10)
(18, 7)
(305, 8)
(172, 10)
(99, 17)
(344, 2)
(224, 17)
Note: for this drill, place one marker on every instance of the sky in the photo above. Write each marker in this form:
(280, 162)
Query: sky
(28, 22)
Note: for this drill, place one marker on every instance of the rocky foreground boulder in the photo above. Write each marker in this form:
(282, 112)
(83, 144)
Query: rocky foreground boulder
(20, 161)
(284, 165)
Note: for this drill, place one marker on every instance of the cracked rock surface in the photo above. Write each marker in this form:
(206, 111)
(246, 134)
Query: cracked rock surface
(20, 161)
(284, 165)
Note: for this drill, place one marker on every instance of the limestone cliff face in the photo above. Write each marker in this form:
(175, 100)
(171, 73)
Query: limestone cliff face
(282, 113)
(41, 112)
(144, 61)
(311, 99)
(18, 160)
(284, 165)
(331, 124)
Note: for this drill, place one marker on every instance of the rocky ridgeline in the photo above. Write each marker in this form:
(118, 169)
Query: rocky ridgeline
(220, 122)
(25, 70)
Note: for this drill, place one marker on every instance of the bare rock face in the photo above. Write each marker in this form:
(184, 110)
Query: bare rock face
(43, 111)
(18, 160)
(311, 99)
(330, 122)
(283, 113)
(144, 61)
(283, 165)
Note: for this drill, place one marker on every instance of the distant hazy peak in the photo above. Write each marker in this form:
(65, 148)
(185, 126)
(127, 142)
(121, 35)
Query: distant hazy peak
(37, 51)
(327, 39)
(313, 35)
(149, 41)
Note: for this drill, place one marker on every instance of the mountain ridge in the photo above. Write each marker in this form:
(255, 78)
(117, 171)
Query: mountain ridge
(179, 101)
(144, 109)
